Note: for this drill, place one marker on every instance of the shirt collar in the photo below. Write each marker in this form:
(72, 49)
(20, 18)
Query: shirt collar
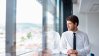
(74, 32)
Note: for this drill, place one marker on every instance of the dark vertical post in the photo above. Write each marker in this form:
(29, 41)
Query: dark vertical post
(67, 10)
(10, 27)
(44, 26)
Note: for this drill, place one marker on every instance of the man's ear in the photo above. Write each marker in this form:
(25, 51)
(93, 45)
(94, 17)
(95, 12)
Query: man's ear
(75, 24)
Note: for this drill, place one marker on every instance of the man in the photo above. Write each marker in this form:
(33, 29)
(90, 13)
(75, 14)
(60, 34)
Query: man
(78, 47)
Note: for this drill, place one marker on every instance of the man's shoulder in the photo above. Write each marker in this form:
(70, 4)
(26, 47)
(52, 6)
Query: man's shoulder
(66, 32)
(82, 32)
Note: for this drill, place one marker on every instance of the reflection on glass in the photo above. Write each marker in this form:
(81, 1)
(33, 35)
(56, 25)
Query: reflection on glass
(2, 26)
(53, 37)
(28, 27)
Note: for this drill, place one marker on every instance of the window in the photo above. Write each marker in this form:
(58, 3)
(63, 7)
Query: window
(2, 26)
(28, 27)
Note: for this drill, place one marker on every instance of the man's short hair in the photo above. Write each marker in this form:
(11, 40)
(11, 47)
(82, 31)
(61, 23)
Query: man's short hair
(73, 18)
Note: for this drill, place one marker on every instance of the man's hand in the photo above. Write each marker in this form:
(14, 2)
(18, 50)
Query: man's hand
(72, 52)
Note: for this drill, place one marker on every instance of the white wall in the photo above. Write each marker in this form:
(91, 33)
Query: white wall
(89, 23)
(93, 31)
(82, 22)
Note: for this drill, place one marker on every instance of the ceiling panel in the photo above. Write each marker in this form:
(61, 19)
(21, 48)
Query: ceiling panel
(89, 6)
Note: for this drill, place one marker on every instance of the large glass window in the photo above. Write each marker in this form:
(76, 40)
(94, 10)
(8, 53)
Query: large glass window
(29, 24)
(2, 26)
(28, 27)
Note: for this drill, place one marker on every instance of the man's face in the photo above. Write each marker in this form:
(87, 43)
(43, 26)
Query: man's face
(71, 26)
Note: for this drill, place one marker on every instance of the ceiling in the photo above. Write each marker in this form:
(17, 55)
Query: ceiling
(89, 6)
(50, 5)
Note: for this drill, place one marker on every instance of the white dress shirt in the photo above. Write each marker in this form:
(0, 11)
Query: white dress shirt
(82, 42)
(53, 39)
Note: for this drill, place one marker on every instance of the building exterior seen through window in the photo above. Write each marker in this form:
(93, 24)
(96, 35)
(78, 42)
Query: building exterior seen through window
(2, 26)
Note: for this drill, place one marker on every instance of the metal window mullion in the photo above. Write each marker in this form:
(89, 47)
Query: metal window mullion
(60, 17)
(55, 16)
(10, 27)
(44, 25)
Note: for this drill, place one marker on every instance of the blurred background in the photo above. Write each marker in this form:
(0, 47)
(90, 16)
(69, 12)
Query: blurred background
(24, 22)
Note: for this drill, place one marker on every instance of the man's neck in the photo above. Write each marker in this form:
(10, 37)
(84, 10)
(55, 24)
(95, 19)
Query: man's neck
(75, 30)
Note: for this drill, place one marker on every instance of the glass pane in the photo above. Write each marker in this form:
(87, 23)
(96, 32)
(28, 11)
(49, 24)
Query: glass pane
(52, 36)
(50, 21)
(28, 27)
(2, 26)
